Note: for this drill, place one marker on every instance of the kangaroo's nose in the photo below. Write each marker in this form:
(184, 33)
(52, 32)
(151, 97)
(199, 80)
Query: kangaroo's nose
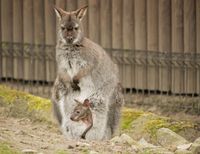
(70, 38)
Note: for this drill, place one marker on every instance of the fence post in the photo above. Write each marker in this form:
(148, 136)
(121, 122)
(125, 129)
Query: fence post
(140, 41)
(190, 42)
(128, 42)
(1, 63)
(165, 42)
(152, 42)
(85, 19)
(50, 40)
(18, 38)
(94, 22)
(7, 36)
(177, 45)
(117, 30)
(197, 42)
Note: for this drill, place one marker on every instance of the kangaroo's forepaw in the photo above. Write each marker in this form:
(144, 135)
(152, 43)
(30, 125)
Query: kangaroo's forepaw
(75, 86)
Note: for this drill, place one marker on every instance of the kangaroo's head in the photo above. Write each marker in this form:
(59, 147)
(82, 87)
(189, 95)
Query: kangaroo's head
(70, 29)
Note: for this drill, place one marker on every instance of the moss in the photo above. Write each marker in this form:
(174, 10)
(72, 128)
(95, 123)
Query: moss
(21, 104)
(85, 151)
(10, 96)
(128, 116)
(154, 124)
(6, 149)
(61, 152)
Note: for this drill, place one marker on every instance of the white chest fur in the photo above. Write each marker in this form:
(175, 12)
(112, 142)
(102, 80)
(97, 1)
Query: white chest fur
(70, 62)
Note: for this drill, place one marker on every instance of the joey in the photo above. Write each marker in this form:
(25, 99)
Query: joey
(83, 113)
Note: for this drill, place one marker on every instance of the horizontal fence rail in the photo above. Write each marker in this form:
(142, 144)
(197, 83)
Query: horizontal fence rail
(45, 54)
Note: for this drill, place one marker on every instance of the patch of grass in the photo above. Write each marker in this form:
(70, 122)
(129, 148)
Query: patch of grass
(85, 151)
(21, 104)
(128, 116)
(62, 152)
(10, 96)
(5, 149)
(162, 122)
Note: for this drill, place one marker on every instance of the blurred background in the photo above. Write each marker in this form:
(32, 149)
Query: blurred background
(156, 43)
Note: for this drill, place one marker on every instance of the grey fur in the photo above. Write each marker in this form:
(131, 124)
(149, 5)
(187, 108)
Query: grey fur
(94, 72)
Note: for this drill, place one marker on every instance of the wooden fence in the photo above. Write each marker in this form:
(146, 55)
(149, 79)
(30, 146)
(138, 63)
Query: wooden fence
(156, 43)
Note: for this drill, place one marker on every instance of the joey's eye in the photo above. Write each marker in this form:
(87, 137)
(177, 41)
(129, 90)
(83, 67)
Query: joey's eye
(77, 112)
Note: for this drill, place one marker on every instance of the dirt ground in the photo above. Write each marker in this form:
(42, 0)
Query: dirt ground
(23, 134)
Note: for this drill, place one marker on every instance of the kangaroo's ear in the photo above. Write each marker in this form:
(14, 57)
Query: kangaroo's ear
(80, 13)
(86, 103)
(59, 12)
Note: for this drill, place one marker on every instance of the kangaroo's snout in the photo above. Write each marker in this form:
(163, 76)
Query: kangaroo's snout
(69, 39)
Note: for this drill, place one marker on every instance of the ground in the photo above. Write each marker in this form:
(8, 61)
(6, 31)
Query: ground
(26, 123)
(19, 134)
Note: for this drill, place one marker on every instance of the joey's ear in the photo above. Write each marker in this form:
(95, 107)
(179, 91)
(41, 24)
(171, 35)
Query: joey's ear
(86, 103)
(80, 13)
(59, 12)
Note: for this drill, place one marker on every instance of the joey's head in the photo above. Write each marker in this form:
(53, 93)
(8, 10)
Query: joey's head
(81, 111)
(70, 29)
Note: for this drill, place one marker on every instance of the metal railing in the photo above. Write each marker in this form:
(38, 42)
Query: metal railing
(42, 57)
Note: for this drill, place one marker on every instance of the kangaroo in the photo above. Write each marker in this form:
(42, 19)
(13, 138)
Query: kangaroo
(83, 113)
(83, 67)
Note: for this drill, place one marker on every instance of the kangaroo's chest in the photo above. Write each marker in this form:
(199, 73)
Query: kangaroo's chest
(71, 62)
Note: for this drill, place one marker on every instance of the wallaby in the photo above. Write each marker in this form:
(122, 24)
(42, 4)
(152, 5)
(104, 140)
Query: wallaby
(83, 113)
(83, 67)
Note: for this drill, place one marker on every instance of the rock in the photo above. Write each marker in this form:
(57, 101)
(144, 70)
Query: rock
(93, 152)
(29, 151)
(184, 146)
(144, 144)
(197, 141)
(181, 151)
(123, 139)
(195, 148)
(150, 148)
(70, 147)
(115, 139)
(169, 139)
(83, 144)
(135, 148)
(127, 139)
(156, 150)
(139, 129)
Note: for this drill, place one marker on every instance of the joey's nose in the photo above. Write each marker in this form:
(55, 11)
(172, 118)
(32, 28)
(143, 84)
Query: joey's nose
(71, 118)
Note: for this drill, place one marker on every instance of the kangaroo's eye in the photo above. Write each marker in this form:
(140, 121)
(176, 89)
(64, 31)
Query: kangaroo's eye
(62, 28)
(76, 28)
